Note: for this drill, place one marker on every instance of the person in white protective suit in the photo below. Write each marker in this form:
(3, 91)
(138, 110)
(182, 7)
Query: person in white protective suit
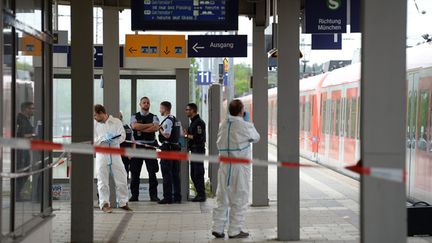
(232, 196)
(109, 131)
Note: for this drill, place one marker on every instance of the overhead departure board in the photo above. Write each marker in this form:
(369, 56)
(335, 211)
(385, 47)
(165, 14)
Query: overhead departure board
(184, 14)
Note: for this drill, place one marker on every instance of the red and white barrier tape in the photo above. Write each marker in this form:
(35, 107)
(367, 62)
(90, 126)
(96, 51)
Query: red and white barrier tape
(24, 171)
(396, 175)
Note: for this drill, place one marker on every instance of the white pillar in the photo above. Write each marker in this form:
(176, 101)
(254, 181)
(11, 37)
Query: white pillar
(182, 99)
(260, 115)
(288, 185)
(383, 103)
(111, 73)
(82, 120)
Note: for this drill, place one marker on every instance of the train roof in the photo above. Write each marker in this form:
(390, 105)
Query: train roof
(343, 75)
(419, 56)
(312, 83)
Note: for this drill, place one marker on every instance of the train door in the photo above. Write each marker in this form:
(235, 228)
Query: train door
(302, 121)
(323, 128)
(423, 156)
(335, 114)
(411, 128)
(342, 125)
(313, 126)
(349, 144)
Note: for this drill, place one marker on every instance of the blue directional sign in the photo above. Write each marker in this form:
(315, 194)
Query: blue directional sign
(97, 55)
(204, 78)
(326, 16)
(217, 46)
(184, 15)
(326, 41)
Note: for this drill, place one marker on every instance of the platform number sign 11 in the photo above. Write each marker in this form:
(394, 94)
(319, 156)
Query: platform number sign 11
(204, 78)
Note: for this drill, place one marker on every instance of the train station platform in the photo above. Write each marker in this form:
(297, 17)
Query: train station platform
(329, 212)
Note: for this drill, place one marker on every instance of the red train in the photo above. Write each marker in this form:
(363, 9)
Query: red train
(329, 119)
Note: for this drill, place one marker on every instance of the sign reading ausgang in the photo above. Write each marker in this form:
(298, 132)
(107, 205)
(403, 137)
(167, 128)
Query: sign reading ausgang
(217, 46)
(326, 16)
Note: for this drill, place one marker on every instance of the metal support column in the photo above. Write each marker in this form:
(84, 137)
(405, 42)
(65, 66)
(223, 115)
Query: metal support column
(182, 99)
(2, 98)
(111, 63)
(383, 203)
(260, 116)
(111, 73)
(288, 184)
(133, 96)
(214, 115)
(82, 120)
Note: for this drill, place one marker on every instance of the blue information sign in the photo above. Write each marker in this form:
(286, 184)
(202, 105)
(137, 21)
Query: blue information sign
(204, 78)
(97, 55)
(326, 16)
(184, 15)
(355, 16)
(217, 46)
(326, 41)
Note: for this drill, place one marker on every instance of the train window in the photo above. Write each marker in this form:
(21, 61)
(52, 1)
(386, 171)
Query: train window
(430, 128)
(347, 117)
(332, 116)
(312, 105)
(338, 116)
(323, 116)
(358, 116)
(414, 115)
(353, 117)
(409, 114)
(423, 120)
(307, 116)
(301, 116)
(329, 116)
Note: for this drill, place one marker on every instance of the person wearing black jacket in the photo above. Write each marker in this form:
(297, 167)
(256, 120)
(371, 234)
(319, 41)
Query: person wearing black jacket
(144, 125)
(196, 137)
(24, 129)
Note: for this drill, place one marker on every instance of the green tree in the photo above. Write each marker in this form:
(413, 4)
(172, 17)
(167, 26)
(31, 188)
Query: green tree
(242, 74)
(194, 89)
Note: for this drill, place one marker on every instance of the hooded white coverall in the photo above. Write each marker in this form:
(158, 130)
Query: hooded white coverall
(234, 140)
(110, 163)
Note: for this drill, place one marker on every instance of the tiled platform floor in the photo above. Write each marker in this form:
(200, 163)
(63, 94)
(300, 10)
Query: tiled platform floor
(329, 213)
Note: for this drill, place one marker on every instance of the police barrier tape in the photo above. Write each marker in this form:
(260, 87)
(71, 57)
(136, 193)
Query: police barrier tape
(23, 172)
(390, 174)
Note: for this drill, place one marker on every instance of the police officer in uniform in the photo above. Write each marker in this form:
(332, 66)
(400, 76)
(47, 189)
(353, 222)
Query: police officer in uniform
(24, 129)
(144, 125)
(169, 134)
(127, 144)
(196, 137)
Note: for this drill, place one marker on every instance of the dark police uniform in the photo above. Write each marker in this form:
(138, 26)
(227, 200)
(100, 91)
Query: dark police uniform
(197, 129)
(170, 168)
(24, 128)
(129, 137)
(148, 138)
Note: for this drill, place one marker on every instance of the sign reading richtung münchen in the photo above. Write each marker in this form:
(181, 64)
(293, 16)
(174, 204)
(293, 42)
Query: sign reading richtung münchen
(326, 16)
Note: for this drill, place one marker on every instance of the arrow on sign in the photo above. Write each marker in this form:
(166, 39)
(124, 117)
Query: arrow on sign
(131, 50)
(196, 47)
(166, 50)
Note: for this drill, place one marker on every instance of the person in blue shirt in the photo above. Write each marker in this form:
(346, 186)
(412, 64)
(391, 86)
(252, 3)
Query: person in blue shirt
(169, 134)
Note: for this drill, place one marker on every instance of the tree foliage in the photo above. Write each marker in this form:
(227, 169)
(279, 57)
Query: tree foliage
(242, 74)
